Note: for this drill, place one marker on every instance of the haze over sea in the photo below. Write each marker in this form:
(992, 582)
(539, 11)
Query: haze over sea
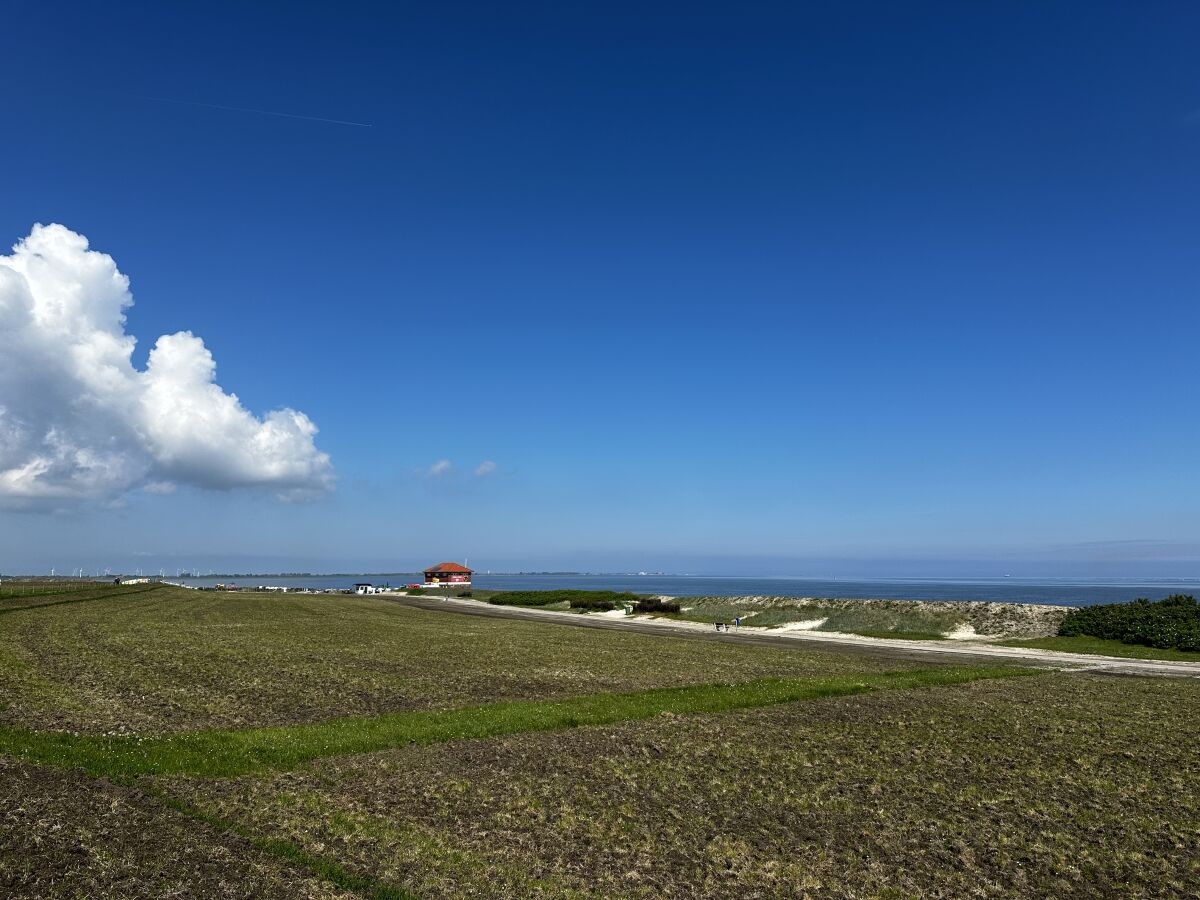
(1054, 591)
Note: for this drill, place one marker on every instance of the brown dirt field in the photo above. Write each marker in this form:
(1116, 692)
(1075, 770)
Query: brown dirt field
(1064, 786)
(63, 835)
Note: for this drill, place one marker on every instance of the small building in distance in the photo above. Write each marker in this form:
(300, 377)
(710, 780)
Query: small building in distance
(364, 587)
(447, 573)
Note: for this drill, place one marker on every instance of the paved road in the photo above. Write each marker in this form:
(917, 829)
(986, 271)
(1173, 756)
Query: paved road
(940, 651)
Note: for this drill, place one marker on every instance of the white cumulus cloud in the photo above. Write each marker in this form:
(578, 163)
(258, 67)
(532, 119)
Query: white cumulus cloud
(487, 467)
(78, 421)
(439, 468)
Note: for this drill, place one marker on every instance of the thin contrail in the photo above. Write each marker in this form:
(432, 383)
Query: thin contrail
(261, 112)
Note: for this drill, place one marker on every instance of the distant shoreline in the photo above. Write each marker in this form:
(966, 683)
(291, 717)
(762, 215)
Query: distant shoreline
(919, 579)
(1041, 591)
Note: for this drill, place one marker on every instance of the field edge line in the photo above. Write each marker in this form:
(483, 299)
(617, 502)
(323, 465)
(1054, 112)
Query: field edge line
(286, 851)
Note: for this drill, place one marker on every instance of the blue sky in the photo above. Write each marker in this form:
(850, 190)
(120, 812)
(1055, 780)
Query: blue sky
(808, 289)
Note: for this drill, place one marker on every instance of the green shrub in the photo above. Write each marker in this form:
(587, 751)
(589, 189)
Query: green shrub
(593, 600)
(656, 605)
(1173, 623)
(594, 604)
(463, 594)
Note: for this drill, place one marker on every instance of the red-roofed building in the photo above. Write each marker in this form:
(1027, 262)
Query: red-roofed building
(447, 573)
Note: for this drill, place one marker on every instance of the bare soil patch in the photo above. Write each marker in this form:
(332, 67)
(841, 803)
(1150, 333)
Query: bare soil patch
(63, 835)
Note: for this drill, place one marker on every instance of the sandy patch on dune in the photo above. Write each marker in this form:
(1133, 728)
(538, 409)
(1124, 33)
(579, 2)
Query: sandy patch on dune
(805, 625)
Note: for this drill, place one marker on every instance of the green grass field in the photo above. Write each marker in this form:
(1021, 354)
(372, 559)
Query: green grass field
(161, 659)
(162, 742)
(19, 595)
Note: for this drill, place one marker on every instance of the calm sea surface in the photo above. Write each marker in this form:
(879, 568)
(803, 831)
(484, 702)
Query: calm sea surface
(1061, 592)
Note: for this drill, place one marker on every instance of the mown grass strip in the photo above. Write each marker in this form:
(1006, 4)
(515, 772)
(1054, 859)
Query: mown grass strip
(1105, 647)
(226, 753)
(288, 852)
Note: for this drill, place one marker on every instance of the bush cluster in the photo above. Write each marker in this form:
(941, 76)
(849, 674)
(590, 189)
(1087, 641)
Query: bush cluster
(656, 605)
(606, 601)
(1173, 623)
(595, 600)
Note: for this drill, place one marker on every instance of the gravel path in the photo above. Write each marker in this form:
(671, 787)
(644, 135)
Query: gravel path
(959, 650)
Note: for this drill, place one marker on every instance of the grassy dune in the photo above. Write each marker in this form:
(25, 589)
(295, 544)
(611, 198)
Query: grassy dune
(875, 618)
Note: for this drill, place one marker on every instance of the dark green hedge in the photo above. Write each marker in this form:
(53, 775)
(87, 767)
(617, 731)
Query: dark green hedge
(656, 605)
(1173, 623)
(600, 600)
